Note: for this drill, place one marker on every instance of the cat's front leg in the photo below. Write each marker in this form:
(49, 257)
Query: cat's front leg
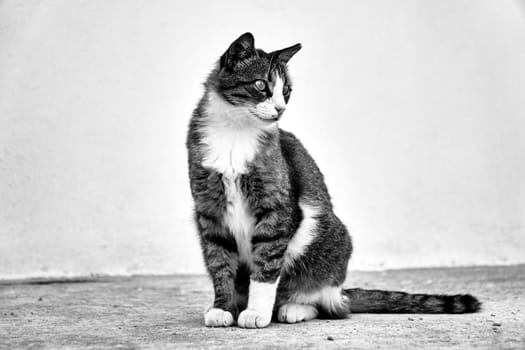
(269, 243)
(221, 258)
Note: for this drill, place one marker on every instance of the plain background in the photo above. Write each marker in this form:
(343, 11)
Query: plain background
(414, 110)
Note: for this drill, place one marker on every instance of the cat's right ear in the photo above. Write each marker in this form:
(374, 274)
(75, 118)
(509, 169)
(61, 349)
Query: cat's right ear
(240, 49)
(285, 54)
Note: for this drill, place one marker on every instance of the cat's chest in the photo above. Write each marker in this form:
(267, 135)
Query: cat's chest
(238, 215)
(229, 150)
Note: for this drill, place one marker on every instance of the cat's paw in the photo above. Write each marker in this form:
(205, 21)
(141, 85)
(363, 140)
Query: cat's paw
(218, 318)
(293, 313)
(251, 318)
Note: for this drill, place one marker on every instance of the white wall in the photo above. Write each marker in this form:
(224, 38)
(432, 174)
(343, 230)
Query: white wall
(414, 110)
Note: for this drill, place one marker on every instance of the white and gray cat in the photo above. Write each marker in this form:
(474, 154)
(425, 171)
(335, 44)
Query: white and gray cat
(271, 242)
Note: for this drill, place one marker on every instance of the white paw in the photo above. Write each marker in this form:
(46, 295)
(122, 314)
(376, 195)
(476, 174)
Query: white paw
(218, 318)
(293, 313)
(251, 318)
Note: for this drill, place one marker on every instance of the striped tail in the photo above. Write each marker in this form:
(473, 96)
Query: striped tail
(382, 301)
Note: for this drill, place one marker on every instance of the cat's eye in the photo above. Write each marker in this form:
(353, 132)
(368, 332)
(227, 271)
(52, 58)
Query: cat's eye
(286, 90)
(260, 85)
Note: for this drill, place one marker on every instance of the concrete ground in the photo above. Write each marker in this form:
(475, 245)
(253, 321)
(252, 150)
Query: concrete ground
(166, 312)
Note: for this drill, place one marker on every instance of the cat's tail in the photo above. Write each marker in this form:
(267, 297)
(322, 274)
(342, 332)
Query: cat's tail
(383, 301)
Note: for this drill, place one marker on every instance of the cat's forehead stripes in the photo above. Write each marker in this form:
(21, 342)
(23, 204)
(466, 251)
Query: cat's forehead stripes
(254, 67)
(259, 68)
(276, 70)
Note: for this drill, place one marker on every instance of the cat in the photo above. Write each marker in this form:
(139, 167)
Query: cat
(271, 242)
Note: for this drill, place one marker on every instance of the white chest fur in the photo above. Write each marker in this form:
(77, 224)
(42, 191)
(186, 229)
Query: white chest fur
(238, 217)
(231, 136)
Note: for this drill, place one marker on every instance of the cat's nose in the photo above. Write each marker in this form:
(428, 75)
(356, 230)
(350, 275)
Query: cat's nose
(280, 109)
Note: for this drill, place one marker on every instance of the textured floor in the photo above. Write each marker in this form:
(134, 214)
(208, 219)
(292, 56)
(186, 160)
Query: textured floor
(166, 312)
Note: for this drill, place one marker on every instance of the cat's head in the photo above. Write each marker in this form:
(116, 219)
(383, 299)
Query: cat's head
(255, 80)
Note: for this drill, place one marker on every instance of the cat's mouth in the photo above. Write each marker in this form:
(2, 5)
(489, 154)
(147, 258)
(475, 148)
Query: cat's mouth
(268, 120)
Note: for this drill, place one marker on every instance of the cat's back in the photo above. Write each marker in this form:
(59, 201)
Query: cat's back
(307, 179)
(293, 149)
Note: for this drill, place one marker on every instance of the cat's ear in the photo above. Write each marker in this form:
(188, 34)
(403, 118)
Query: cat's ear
(285, 54)
(240, 49)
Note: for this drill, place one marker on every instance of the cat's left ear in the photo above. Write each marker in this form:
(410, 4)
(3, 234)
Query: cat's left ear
(241, 49)
(285, 54)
